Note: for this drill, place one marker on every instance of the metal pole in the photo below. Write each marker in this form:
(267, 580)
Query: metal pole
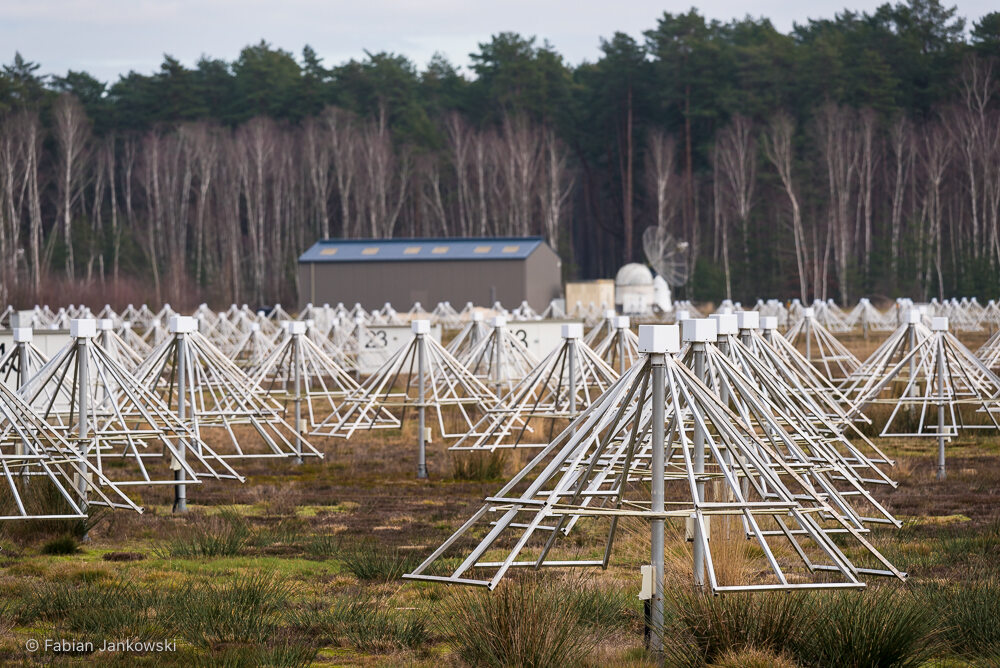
(22, 364)
(724, 390)
(82, 426)
(621, 350)
(421, 372)
(912, 331)
(180, 489)
(912, 339)
(699, 469)
(498, 359)
(571, 362)
(940, 469)
(808, 342)
(22, 378)
(658, 444)
(297, 370)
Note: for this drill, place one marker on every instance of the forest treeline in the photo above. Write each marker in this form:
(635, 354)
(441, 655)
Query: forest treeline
(858, 155)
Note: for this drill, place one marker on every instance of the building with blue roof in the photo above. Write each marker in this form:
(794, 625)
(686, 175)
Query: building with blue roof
(480, 270)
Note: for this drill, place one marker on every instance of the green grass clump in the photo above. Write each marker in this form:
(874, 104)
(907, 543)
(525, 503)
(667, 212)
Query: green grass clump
(247, 609)
(478, 466)
(602, 608)
(322, 546)
(703, 628)
(374, 563)
(753, 658)
(116, 609)
(521, 624)
(227, 534)
(65, 544)
(364, 622)
(380, 631)
(969, 614)
(878, 627)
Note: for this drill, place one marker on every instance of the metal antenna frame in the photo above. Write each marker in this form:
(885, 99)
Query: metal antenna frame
(115, 345)
(930, 386)
(394, 388)
(474, 331)
(23, 360)
(865, 316)
(569, 379)
(591, 471)
(620, 348)
(219, 396)
(500, 360)
(822, 349)
(797, 431)
(109, 416)
(33, 453)
(250, 350)
(897, 346)
(810, 388)
(298, 372)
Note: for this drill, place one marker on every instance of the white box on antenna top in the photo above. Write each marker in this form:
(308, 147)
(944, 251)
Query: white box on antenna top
(182, 324)
(659, 339)
(699, 330)
(726, 323)
(573, 330)
(748, 319)
(83, 328)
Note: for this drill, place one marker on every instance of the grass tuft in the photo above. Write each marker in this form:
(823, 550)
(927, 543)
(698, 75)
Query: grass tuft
(702, 629)
(969, 614)
(247, 609)
(62, 545)
(364, 622)
(227, 534)
(877, 627)
(478, 466)
(375, 563)
(522, 623)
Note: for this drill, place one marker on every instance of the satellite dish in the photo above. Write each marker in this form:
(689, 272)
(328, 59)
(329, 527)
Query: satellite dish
(668, 256)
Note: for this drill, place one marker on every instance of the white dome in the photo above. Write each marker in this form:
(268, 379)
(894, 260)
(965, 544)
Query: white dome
(634, 274)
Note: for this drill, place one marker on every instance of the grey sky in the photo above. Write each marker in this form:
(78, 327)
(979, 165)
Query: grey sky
(110, 37)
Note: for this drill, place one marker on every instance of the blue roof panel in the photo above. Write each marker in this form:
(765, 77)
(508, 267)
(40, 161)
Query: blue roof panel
(398, 250)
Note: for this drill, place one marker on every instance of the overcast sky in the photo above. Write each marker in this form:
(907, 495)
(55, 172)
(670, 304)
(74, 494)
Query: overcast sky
(111, 37)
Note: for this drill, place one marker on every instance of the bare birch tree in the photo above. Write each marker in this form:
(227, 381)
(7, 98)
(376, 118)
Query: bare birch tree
(778, 147)
(72, 133)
